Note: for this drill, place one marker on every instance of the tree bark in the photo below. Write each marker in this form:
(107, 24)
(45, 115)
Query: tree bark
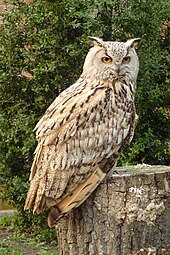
(128, 214)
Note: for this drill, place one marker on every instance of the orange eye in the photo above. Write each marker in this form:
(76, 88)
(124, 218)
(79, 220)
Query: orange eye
(126, 59)
(106, 60)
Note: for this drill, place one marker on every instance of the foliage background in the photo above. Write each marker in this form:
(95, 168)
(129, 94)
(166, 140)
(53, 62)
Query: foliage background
(48, 39)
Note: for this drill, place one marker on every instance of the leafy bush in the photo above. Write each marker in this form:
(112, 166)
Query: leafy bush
(49, 41)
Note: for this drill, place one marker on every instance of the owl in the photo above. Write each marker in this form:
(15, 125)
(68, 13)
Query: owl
(83, 131)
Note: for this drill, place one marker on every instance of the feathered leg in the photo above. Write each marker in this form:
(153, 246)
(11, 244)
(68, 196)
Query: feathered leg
(76, 197)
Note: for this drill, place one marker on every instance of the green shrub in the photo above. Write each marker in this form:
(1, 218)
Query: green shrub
(49, 40)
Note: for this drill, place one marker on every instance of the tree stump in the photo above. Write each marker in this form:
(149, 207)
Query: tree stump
(128, 214)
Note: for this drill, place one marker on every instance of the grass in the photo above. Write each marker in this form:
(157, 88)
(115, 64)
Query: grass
(8, 251)
(14, 243)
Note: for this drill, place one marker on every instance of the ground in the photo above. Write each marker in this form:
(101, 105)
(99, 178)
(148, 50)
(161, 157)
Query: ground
(14, 243)
(10, 244)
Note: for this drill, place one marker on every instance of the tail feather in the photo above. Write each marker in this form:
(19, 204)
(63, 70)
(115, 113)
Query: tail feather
(31, 196)
(35, 196)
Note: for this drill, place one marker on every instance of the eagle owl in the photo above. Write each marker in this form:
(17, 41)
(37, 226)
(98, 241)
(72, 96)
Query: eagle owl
(83, 130)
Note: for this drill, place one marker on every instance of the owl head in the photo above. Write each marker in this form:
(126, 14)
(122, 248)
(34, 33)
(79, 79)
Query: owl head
(108, 60)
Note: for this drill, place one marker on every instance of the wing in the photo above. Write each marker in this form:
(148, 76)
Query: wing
(80, 128)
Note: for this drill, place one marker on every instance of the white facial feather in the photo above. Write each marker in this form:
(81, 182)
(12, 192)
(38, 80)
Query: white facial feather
(117, 68)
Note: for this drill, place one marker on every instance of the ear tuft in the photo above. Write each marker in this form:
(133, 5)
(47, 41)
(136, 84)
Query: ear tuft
(96, 41)
(133, 43)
